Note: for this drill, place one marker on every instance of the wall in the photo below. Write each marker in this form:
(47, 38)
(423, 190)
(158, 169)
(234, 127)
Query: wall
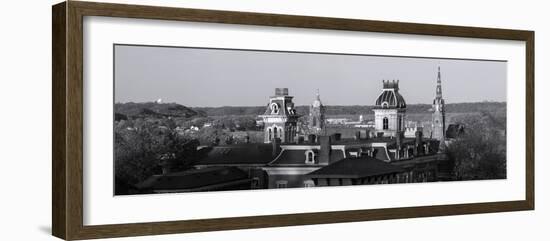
(25, 94)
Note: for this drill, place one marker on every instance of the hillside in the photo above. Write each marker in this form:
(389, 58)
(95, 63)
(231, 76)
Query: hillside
(358, 109)
(153, 110)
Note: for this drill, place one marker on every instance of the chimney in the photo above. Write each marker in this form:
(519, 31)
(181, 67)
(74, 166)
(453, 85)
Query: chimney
(312, 138)
(276, 143)
(417, 142)
(399, 139)
(336, 136)
(357, 135)
(324, 152)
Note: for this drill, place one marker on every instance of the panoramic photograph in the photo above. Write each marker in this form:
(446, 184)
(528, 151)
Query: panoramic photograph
(190, 119)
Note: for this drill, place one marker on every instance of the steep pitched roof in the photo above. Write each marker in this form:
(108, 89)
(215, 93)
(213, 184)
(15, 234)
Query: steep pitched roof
(360, 167)
(195, 179)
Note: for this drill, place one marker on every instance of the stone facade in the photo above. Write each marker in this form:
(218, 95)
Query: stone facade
(280, 118)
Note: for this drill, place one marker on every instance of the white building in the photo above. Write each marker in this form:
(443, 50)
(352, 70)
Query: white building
(389, 110)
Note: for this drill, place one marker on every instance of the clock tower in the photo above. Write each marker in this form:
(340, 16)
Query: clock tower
(280, 118)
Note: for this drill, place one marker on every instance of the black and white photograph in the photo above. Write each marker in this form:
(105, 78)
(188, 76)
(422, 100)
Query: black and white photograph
(270, 120)
(190, 119)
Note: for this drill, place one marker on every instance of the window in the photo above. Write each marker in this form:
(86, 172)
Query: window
(275, 132)
(270, 136)
(310, 157)
(385, 123)
(274, 108)
(399, 123)
(281, 183)
(309, 183)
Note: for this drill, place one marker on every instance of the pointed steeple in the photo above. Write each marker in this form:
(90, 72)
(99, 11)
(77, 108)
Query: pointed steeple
(438, 92)
(438, 115)
(318, 96)
(316, 122)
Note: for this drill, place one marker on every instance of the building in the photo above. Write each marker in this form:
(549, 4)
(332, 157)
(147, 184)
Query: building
(358, 171)
(411, 129)
(389, 110)
(390, 153)
(337, 121)
(280, 118)
(438, 115)
(206, 179)
(316, 118)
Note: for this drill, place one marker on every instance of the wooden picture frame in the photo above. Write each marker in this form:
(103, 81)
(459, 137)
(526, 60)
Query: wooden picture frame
(67, 124)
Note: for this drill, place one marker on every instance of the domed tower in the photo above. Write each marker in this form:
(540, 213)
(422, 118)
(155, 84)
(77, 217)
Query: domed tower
(316, 119)
(438, 115)
(389, 110)
(280, 118)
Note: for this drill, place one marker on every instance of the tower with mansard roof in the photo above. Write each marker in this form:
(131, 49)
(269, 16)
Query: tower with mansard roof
(280, 118)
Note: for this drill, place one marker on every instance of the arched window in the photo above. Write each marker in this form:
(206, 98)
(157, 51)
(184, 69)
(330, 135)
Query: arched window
(275, 132)
(280, 132)
(385, 123)
(274, 108)
(270, 136)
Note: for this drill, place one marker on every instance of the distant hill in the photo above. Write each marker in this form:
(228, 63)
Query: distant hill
(153, 110)
(357, 109)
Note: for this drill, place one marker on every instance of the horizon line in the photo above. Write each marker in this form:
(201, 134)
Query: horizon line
(447, 103)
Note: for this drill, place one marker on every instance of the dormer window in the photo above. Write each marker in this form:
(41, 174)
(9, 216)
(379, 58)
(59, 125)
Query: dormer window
(274, 108)
(310, 157)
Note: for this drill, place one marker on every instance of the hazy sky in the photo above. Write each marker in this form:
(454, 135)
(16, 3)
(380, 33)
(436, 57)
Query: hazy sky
(217, 77)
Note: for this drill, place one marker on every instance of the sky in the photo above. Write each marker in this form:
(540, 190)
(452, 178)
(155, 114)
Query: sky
(198, 77)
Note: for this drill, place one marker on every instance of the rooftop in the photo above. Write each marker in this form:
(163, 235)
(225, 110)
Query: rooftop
(237, 154)
(390, 97)
(360, 167)
(194, 179)
(298, 157)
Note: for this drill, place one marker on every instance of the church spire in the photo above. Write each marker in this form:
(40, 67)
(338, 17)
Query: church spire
(438, 115)
(438, 92)
(316, 120)
(318, 96)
